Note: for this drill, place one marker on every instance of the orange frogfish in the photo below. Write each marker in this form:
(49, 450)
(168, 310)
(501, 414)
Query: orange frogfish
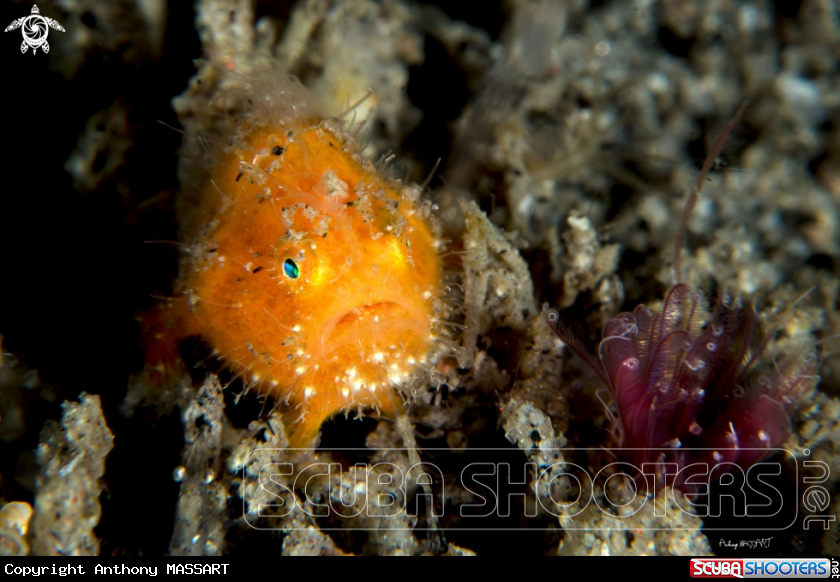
(310, 274)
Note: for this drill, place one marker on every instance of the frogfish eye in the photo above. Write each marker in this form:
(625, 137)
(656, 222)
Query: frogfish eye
(291, 269)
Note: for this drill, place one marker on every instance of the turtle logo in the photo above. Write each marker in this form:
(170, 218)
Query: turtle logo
(34, 30)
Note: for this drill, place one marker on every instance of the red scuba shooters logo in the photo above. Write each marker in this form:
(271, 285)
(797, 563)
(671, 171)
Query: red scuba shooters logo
(717, 568)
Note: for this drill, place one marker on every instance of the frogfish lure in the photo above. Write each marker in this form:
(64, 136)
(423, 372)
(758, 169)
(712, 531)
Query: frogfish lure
(308, 272)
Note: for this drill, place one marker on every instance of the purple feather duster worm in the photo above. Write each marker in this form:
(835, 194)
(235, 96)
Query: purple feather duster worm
(689, 386)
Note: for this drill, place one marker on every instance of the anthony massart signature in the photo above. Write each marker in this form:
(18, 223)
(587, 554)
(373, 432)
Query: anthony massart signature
(762, 543)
